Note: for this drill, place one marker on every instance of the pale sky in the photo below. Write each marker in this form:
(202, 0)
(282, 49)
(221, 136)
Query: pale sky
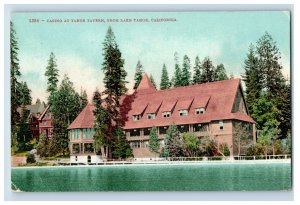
(223, 36)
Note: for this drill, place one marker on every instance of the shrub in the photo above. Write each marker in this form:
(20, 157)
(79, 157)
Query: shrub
(30, 158)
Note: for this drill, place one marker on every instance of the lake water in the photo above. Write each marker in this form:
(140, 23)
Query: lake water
(181, 177)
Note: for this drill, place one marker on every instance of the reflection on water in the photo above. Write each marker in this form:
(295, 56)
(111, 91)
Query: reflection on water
(194, 177)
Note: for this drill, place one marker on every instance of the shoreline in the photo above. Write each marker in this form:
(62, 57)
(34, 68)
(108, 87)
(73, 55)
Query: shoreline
(174, 163)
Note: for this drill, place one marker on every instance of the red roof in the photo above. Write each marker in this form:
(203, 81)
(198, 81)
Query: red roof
(85, 119)
(216, 97)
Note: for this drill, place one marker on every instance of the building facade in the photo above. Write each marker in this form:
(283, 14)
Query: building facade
(45, 122)
(209, 109)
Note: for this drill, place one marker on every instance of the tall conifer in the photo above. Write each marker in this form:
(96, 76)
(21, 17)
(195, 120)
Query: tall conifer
(186, 73)
(164, 82)
(138, 74)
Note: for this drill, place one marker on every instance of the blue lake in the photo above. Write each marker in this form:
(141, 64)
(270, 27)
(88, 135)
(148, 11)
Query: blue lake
(181, 177)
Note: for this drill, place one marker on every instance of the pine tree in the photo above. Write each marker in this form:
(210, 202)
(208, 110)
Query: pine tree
(177, 81)
(52, 76)
(186, 73)
(153, 141)
(207, 74)
(173, 144)
(25, 97)
(164, 82)
(138, 74)
(197, 71)
(65, 108)
(220, 73)
(100, 125)
(14, 75)
(83, 99)
(153, 81)
(122, 149)
(253, 79)
(114, 83)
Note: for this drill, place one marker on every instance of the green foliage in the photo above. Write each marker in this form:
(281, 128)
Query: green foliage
(114, 83)
(207, 74)
(153, 141)
(52, 77)
(287, 144)
(190, 144)
(83, 99)
(14, 76)
(177, 75)
(43, 146)
(153, 81)
(220, 73)
(138, 74)
(25, 97)
(23, 136)
(197, 71)
(265, 113)
(175, 142)
(65, 108)
(164, 82)
(186, 73)
(30, 158)
(122, 149)
(100, 123)
(224, 150)
(253, 79)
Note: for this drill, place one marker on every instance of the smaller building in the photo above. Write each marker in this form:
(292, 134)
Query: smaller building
(81, 132)
(45, 122)
(33, 112)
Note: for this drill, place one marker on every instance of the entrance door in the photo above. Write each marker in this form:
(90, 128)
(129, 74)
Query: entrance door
(89, 159)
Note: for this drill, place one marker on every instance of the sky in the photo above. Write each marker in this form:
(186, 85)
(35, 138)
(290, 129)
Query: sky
(223, 36)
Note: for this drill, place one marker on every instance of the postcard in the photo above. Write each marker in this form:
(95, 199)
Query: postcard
(150, 101)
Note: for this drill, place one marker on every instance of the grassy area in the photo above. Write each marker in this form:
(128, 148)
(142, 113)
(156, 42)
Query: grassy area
(21, 154)
(36, 164)
(56, 157)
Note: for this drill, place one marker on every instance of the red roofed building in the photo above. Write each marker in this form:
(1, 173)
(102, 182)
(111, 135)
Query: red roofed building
(209, 109)
(45, 122)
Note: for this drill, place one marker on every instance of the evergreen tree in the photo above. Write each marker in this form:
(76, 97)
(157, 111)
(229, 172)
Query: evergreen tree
(220, 73)
(253, 79)
(241, 138)
(190, 144)
(83, 99)
(14, 76)
(197, 71)
(122, 149)
(268, 57)
(231, 76)
(173, 144)
(138, 74)
(177, 75)
(186, 73)
(114, 83)
(42, 146)
(100, 125)
(25, 97)
(153, 81)
(52, 76)
(65, 108)
(153, 141)
(164, 82)
(207, 74)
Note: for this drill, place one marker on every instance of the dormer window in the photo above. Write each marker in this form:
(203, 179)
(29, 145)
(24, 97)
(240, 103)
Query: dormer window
(183, 112)
(136, 117)
(200, 111)
(166, 114)
(151, 116)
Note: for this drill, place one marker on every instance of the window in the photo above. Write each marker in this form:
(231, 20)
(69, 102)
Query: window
(151, 116)
(183, 112)
(136, 117)
(199, 111)
(135, 144)
(135, 132)
(44, 123)
(221, 124)
(147, 131)
(166, 114)
(84, 133)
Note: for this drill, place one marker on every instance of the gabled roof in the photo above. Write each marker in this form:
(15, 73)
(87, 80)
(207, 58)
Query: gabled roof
(34, 109)
(216, 97)
(44, 112)
(146, 85)
(85, 119)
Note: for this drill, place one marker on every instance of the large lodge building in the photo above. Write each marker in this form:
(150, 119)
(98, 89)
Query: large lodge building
(209, 109)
